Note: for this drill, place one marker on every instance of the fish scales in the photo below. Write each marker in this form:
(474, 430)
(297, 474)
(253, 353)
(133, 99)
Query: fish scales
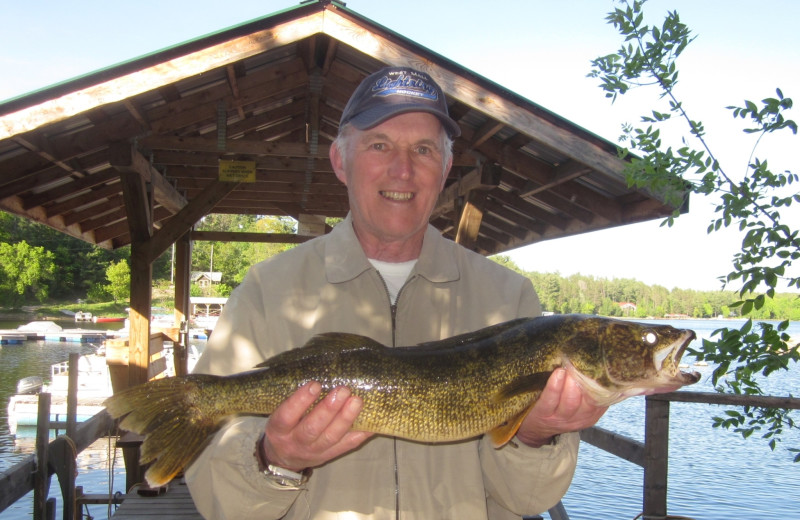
(442, 391)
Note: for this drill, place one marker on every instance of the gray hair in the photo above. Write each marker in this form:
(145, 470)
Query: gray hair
(342, 142)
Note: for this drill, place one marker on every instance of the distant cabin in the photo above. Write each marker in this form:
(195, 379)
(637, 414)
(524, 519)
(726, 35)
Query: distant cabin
(205, 278)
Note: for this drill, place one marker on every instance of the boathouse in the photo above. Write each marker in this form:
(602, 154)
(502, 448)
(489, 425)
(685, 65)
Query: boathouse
(240, 122)
(136, 154)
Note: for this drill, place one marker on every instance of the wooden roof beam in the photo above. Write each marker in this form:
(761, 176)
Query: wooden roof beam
(525, 224)
(485, 132)
(27, 182)
(240, 146)
(70, 188)
(182, 222)
(569, 171)
(469, 224)
(485, 177)
(528, 208)
(263, 238)
(202, 106)
(96, 211)
(233, 84)
(171, 71)
(240, 129)
(88, 197)
(13, 205)
(104, 217)
(572, 193)
(126, 159)
(467, 91)
(135, 113)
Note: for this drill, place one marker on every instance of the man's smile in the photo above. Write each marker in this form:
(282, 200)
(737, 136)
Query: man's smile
(397, 195)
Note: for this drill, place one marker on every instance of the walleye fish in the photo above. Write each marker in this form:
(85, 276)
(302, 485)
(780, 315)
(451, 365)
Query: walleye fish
(480, 382)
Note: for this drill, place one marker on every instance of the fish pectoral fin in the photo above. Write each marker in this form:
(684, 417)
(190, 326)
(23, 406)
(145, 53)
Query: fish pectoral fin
(502, 434)
(530, 383)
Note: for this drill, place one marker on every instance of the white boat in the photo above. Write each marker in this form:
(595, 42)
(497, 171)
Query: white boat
(94, 386)
(83, 316)
(40, 327)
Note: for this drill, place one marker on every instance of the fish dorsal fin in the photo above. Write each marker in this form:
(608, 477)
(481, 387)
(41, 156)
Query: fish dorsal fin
(327, 342)
(523, 385)
(476, 335)
(341, 341)
(502, 434)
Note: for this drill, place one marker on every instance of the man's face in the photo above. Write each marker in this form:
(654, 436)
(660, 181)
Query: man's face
(394, 173)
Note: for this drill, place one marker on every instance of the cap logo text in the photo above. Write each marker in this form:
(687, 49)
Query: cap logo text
(405, 85)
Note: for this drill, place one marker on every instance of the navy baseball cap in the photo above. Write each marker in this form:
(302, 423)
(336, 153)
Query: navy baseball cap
(392, 91)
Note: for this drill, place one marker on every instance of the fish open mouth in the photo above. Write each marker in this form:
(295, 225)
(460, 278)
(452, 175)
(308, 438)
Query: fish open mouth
(686, 378)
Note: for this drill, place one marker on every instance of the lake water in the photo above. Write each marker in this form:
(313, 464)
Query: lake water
(713, 474)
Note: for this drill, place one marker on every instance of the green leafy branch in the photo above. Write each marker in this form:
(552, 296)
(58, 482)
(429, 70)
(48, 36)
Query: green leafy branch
(648, 58)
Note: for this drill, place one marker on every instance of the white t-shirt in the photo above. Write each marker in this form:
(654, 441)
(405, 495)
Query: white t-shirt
(394, 274)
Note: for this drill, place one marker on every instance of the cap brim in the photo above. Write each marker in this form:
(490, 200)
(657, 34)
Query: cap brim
(374, 116)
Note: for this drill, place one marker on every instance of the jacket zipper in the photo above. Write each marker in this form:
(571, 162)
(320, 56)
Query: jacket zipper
(393, 313)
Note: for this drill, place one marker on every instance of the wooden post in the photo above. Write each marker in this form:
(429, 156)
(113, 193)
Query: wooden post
(656, 450)
(63, 461)
(139, 338)
(471, 217)
(41, 482)
(183, 266)
(72, 393)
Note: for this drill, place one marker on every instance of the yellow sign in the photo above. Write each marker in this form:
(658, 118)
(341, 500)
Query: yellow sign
(237, 171)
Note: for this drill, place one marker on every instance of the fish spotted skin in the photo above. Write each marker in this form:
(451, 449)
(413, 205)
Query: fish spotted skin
(482, 382)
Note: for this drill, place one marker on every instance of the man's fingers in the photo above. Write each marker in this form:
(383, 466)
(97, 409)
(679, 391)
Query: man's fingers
(329, 420)
(551, 395)
(302, 434)
(571, 398)
(287, 416)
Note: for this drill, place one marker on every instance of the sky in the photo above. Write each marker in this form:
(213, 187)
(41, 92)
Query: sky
(539, 49)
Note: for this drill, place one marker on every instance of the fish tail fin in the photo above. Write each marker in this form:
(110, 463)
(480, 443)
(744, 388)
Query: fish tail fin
(175, 418)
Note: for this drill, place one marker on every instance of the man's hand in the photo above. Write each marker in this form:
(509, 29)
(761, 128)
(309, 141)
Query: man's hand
(562, 407)
(296, 438)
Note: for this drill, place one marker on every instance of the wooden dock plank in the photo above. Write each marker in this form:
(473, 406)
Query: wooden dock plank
(175, 504)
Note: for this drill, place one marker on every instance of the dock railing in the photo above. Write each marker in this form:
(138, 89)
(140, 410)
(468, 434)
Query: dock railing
(59, 457)
(653, 453)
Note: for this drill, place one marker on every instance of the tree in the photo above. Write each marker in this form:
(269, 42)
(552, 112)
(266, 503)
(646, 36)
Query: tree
(754, 202)
(81, 266)
(24, 273)
(119, 280)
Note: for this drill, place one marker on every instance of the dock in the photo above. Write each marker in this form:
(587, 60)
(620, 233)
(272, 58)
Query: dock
(174, 504)
(17, 336)
(12, 337)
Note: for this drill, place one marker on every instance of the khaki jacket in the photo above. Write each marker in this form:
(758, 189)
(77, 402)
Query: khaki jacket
(328, 284)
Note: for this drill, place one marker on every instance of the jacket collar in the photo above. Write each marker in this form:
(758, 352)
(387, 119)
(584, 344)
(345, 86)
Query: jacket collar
(345, 260)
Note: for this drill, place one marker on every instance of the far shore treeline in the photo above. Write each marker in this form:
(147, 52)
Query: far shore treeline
(631, 298)
(40, 265)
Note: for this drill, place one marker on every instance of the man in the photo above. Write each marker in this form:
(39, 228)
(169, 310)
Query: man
(383, 272)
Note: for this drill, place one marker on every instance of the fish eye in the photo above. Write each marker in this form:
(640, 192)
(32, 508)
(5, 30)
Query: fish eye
(650, 337)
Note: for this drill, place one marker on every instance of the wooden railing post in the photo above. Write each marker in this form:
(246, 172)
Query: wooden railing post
(72, 394)
(41, 482)
(656, 449)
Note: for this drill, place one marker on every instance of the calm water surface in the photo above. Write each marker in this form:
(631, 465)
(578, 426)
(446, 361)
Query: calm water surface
(713, 474)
